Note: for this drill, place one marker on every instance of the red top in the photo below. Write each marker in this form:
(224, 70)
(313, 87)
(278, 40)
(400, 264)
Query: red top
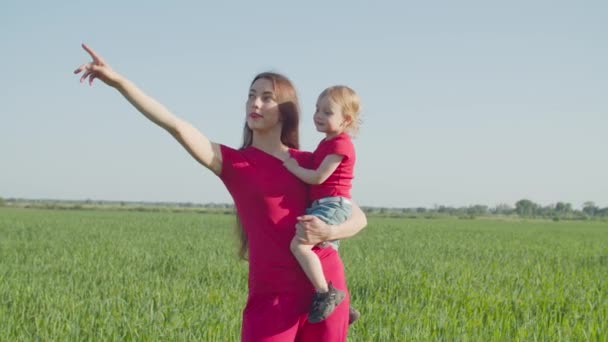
(268, 199)
(339, 182)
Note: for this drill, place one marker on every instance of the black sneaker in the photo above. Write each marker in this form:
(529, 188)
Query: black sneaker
(324, 303)
(353, 315)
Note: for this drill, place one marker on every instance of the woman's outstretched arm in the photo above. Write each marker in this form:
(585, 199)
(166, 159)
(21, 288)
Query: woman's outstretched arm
(200, 148)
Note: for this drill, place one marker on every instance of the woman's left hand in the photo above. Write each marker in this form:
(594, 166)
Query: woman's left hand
(311, 230)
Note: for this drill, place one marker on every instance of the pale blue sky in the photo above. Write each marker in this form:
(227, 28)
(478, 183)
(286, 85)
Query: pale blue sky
(465, 102)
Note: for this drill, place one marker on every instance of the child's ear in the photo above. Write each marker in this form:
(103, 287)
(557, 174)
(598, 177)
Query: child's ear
(347, 120)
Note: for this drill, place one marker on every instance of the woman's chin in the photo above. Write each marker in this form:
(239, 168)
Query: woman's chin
(254, 124)
(260, 126)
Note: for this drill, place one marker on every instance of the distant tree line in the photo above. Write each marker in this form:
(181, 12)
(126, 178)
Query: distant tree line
(88, 204)
(559, 210)
(523, 208)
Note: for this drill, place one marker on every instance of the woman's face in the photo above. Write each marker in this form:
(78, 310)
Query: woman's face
(262, 108)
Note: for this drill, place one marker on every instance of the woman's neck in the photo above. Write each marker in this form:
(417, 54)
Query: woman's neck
(270, 142)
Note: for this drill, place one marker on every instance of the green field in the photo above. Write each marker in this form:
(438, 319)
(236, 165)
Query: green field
(110, 275)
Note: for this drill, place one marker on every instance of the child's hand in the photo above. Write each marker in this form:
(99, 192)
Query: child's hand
(97, 68)
(290, 163)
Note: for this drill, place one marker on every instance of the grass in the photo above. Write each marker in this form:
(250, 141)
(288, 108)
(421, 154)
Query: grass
(103, 275)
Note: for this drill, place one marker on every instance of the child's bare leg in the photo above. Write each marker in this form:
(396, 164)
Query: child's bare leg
(310, 263)
(326, 297)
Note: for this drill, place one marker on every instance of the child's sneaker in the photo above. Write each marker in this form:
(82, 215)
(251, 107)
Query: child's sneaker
(353, 315)
(323, 304)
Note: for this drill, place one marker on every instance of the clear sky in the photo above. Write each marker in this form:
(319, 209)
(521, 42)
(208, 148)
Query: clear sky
(464, 102)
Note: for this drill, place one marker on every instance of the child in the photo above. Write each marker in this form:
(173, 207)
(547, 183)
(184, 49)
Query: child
(337, 115)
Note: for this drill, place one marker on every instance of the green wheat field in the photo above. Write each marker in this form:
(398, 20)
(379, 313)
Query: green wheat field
(162, 276)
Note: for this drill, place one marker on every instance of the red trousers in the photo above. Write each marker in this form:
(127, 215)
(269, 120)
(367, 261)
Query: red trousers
(283, 317)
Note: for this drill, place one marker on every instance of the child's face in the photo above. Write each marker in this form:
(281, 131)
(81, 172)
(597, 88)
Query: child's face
(328, 117)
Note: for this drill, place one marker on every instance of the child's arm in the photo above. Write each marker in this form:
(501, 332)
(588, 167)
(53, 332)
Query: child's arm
(200, 148)
(318, 176)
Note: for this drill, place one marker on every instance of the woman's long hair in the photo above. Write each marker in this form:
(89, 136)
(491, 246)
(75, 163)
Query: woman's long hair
(289, 109)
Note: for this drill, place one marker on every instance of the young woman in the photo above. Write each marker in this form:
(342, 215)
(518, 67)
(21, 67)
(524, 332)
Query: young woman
(268, 200)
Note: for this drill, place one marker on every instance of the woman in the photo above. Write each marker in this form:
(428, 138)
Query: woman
(268, 200)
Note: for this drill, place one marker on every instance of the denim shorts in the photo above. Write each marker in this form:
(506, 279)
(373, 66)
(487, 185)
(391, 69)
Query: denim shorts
(331, 210)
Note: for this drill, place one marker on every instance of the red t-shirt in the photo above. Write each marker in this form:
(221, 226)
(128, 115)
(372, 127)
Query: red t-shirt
(339, 182)
(268, 199)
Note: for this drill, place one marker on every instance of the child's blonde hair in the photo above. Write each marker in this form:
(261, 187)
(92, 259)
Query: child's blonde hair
(349, 103)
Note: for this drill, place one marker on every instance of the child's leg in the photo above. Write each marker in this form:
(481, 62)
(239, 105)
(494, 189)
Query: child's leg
(326, 297)
(310, 263)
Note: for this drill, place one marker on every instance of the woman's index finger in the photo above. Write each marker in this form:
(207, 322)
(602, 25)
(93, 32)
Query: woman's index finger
(92, 53)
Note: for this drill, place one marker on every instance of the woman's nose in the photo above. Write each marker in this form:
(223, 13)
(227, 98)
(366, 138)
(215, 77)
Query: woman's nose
(256, 103)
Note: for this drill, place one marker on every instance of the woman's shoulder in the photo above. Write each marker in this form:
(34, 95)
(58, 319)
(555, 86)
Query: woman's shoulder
(229, 152)
(234, 158)
(225, 149)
